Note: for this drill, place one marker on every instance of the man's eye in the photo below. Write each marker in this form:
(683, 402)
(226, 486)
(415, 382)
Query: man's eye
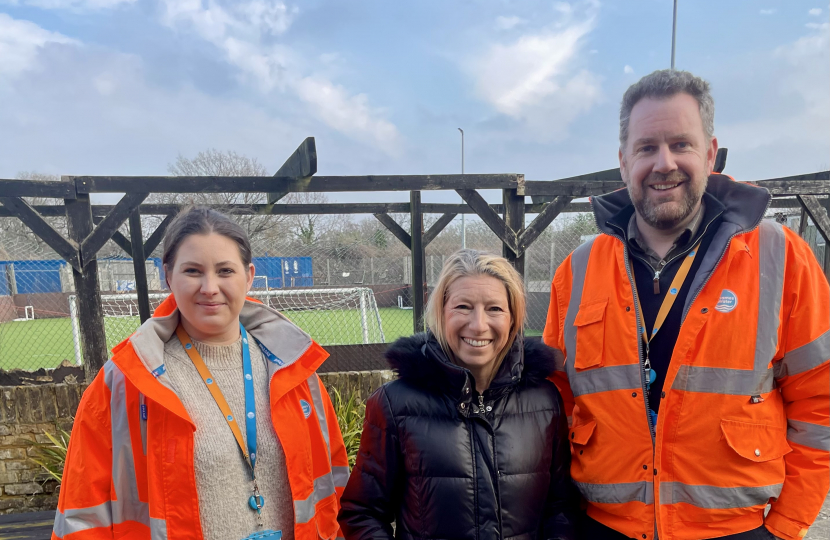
(681, 145)
(648, 148)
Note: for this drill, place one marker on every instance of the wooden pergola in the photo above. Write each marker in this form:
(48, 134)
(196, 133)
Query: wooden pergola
(90, 226)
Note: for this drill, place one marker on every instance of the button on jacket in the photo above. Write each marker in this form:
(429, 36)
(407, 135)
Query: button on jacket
(744, 412)
(129, 471)
(444, 462)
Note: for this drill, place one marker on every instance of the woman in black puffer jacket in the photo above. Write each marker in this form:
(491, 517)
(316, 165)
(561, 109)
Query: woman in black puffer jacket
(471, 440)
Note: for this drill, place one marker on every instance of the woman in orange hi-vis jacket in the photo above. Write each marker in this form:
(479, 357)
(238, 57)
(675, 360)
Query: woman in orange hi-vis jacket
(209, 422)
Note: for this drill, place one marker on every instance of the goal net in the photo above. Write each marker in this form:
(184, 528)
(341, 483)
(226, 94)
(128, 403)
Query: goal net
(332, 316)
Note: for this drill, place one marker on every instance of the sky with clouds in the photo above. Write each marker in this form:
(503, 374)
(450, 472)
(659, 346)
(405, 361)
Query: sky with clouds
(121, 87)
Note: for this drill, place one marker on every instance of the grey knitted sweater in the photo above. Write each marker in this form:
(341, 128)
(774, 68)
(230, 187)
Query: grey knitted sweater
(223, 480)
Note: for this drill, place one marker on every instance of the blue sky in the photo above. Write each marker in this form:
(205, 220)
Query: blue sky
(122, 87)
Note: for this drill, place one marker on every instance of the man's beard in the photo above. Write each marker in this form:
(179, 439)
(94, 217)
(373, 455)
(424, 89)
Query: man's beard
(662, 215)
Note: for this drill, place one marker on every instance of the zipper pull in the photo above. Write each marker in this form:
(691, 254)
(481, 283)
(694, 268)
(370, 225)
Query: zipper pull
(657, 282)
(480, 401)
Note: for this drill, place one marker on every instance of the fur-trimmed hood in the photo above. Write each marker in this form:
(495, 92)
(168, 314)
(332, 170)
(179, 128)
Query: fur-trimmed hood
(420, 361)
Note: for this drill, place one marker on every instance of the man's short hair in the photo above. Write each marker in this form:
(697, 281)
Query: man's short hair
(663, 84)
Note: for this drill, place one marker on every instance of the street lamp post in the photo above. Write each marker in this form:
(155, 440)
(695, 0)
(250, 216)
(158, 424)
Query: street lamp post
(463, 222)
(673, 33)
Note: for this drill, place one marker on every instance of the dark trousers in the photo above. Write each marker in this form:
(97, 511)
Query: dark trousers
(594, 530)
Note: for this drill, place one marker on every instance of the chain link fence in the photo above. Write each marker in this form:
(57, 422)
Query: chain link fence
(344, 279)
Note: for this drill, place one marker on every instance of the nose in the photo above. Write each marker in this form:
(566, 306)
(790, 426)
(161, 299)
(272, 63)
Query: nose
(665, 160)
(210, 284)
(478, 320)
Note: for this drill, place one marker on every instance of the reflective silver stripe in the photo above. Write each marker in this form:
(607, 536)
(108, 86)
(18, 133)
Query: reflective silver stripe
(317, 398)
(340, 476)
(599, 379)
(81, 519)
(808, 434)
(323, 487)
(558, 360)
(733, 382)
(808, 356)
(773, 250)
(617, 493)
(759, 380)
(714, 497)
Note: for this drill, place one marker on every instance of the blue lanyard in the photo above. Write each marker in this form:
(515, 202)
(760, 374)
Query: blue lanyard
(250, 402)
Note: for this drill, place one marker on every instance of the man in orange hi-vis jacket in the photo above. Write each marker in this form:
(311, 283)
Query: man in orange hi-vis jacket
(696, 342)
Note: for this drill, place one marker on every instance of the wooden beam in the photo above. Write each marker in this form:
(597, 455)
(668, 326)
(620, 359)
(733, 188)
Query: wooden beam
(396, 230)
(817, 183)
(545, 218)
(572, 188)
(437, 227)
(122, 241)
(36, 188)
(110, 224)
(802, 223)
(514, 220)
(418, 256)
(139, 268)
(67, 249)
(490, 218)
(302, 165)
(720, 160)
(275, 184)
(87, 289)
(155, 239)
(818, 214)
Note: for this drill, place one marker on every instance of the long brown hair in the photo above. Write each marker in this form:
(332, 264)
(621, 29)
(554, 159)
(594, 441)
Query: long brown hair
(202, 220)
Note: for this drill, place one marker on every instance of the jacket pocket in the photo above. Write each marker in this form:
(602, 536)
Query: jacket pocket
(582, 433)
(755, 442)
(590, 335)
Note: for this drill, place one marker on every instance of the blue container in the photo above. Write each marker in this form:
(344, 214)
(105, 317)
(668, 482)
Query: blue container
(33, 277)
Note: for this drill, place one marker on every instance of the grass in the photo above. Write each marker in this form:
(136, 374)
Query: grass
(31, 345)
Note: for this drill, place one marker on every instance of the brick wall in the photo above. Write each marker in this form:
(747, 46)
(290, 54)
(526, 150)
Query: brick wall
(27, 411)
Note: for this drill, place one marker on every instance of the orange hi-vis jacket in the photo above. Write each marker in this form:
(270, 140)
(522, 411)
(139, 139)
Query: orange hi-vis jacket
(745, 413)
(131, 475)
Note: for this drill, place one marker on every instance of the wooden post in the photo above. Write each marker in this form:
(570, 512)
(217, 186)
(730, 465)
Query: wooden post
(87, 290)
(514, 218)
(139, 267)
(417, 252)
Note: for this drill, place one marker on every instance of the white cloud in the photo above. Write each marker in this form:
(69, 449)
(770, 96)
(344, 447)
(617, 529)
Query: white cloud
(20, 43)
(768, 11)
(815, 12)
(628, 70)
(73, 5)
(244, 32)
(508, 23)
(534, 79)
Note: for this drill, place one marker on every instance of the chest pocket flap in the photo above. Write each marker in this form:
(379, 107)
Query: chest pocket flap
(590, 334)
(582, 434)
(755, 442)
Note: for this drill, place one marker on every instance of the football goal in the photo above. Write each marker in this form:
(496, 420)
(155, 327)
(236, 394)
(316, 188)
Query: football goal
(332, 316)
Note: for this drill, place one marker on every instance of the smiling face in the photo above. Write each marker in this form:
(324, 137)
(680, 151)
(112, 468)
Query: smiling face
(209, 281)
(667, 160)
(477, 322)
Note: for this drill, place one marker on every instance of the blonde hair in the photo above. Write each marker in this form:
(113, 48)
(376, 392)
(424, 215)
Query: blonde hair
(471, 263)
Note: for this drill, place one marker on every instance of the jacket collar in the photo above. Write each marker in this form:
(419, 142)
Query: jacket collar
(285, 340)
(420, 361)
(742, 204)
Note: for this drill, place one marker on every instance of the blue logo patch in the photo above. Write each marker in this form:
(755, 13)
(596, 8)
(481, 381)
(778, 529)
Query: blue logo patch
(306, 408)
(727, 302)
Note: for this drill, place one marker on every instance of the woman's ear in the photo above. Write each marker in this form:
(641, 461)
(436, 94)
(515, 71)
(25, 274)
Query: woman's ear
(251, 273)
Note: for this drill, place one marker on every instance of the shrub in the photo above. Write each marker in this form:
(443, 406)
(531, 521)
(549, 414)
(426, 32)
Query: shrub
(51, 456)
(350, 414)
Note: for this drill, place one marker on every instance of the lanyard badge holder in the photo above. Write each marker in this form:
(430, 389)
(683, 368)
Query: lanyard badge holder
(256, 501)
(665, 307)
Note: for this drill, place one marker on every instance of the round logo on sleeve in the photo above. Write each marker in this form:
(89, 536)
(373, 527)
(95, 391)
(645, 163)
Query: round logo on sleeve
(306, 408)
(727, 302)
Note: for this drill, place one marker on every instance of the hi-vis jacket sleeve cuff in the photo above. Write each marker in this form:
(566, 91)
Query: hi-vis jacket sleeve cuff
(783, 527)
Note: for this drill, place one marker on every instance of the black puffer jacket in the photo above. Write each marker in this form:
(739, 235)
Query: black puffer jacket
(446, 463)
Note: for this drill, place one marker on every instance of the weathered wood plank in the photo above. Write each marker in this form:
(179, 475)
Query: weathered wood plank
(490, 217)
(301, 165)
(818, 214)
(514, 219)
(141, 288)
(67, 249)
(803, 184)
(395, 229)
(572, 188)
(157, 236)
(437, 227)
(36, 188)
(104, 231)
(418, 261)
(120, 240)
(87, 289)
(266, 184)
(545, 218)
